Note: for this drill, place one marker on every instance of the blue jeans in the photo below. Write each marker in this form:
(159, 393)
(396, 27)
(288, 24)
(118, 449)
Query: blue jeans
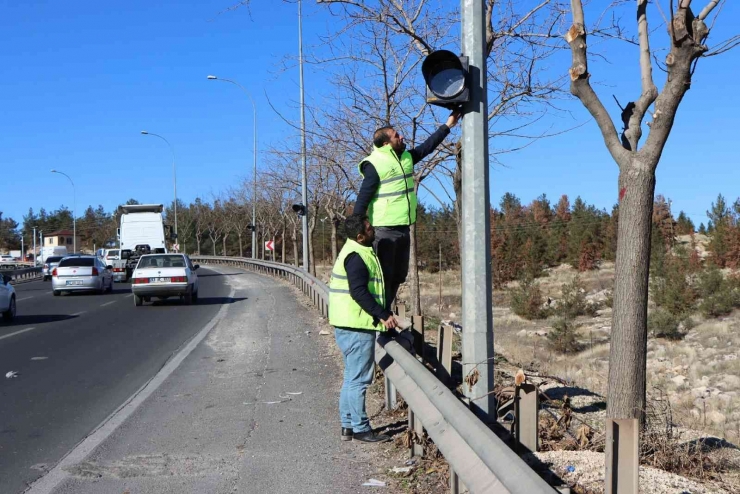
(358, 350)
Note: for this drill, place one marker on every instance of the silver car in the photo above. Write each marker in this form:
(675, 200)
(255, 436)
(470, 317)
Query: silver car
(81, 273)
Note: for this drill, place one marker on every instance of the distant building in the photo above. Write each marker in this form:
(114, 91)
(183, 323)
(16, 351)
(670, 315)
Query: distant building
(61, 238)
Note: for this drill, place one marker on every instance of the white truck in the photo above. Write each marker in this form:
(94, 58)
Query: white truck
(46, 252)
(142, 231)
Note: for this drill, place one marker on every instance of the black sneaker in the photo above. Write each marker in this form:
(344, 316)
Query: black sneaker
(347, 434)
(371, 437)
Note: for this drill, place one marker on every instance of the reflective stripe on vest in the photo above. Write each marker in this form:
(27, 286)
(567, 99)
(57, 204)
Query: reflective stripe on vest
(344, 312)
(394, 204)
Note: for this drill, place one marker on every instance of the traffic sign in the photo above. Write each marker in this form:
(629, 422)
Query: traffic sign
(269, 245)
(176, 247)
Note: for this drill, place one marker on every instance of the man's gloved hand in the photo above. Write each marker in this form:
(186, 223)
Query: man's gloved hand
(406, 339)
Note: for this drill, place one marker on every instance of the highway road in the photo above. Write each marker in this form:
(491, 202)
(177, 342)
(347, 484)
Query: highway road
(78, 358)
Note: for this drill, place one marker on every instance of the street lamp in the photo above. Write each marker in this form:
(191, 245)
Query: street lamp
(174, 175)
(74, 210)
(254, 173)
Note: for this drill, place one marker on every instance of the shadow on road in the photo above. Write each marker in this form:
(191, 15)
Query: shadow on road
(219, 274)
(36, 319)
(201, 301)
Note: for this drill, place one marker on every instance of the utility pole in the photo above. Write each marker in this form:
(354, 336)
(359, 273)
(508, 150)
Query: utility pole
(304, 185)
(35, 255)
(477, 319)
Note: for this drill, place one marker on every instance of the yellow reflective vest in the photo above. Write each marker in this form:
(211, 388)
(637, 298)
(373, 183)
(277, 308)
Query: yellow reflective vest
(394, 204)
(344, 312)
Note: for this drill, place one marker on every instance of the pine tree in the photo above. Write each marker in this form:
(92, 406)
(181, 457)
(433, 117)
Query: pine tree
(684, 225)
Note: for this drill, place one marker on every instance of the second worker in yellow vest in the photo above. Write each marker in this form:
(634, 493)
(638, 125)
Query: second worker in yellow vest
(357, 311)
(388, 198)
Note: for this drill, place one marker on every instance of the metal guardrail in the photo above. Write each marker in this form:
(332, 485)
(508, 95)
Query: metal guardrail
(483, 462)
(21, 274)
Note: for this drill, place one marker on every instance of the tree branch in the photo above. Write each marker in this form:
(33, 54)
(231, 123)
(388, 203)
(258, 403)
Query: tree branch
(581, 87)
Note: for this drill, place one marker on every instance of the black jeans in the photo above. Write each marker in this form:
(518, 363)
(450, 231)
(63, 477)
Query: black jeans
(392, 245)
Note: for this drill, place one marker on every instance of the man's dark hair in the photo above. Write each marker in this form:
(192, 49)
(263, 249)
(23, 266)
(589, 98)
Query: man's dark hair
(354, 225)
(381, 136)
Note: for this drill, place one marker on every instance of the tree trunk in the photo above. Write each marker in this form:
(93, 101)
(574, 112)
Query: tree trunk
(282, 246)
(311, 258)
(224, 245)
(457, 187)
(197, 239)
(414, 272)
(213, 243)
(628, 348)
(333, 242)
(241, 249)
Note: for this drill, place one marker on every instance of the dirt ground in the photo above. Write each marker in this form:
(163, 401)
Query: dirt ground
(697, 378)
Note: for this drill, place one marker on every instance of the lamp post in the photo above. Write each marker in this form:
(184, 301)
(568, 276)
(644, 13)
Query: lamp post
(304, 186)
(254, 172)
(74, 210)
(174, 174)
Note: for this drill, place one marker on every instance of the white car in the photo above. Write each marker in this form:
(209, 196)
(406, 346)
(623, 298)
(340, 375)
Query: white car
(6, 258)
(163, 276)
(7, 298)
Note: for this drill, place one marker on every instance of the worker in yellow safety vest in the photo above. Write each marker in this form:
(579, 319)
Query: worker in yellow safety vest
(357, 311)
(388, 198)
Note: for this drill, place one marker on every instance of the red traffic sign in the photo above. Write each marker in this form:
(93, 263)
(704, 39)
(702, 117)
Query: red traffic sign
(270, 245)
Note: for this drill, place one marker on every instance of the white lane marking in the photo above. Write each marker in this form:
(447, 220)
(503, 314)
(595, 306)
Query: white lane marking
(108, 303)
(17, 332)
(39, 358)
(55, 476)
(48, 293)
(78, 313)
(24, 298)
(129, 295)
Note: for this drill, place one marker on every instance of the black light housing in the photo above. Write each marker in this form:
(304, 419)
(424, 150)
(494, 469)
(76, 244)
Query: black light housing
(446, 77)
(299, 209)
(251, 228)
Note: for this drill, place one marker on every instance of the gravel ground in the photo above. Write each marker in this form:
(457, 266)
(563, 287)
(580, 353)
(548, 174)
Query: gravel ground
(589, 473)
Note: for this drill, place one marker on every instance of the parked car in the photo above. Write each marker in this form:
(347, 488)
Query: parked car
(7, 298)
(49, 265)
(6, 258)
(163, 276)
(81, 273)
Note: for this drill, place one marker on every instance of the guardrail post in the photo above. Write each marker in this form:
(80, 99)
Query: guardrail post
(416, 427)
(456, 486)
(526, 411)
(622, 456)
(444, 354)
(391, 397)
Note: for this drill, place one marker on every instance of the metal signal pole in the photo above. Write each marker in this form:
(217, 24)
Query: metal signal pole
(304, 186)
(477, 319)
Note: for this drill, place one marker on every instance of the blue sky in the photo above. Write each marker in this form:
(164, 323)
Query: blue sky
(82, 79)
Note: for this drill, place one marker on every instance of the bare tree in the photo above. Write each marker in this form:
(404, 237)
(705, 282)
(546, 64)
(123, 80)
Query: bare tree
(687, 34)
(200, 211)
(378, 49)
(215, 223)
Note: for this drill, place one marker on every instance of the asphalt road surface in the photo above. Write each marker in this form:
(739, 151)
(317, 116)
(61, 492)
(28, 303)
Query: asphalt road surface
(78, 358)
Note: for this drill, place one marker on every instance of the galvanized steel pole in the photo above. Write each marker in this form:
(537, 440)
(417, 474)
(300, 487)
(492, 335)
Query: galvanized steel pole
(477, 320)
(304, 186)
